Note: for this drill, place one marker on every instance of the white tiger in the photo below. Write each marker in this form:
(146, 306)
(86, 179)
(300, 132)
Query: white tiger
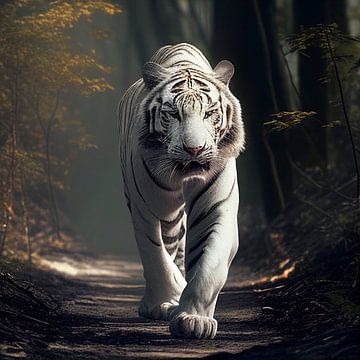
(180, 131)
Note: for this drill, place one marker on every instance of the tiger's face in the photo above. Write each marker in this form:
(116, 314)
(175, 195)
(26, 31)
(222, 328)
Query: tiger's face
(193, 121)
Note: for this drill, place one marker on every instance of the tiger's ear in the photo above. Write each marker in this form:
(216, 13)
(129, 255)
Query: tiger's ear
(153, 74)
(224, 71)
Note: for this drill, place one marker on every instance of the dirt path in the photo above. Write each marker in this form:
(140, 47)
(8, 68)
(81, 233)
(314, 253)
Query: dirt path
(102, 296)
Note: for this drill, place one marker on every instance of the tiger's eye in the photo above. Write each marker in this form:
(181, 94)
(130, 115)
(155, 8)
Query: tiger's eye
(170, 114)
(209, 113)
(175, 114)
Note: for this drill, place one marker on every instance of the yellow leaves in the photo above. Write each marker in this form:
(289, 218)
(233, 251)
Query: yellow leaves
(283, 263)
(27, 163)
(333, 124)
(111, 9)
(285, 274)
(65, 14)
(104, 69)
(100, 34)
(45, 26)
(37, 63)
(288, 119)
(96, 85)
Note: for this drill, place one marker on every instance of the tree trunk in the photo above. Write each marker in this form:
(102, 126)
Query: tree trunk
(338, 137)
(313, 90)
(245, 33)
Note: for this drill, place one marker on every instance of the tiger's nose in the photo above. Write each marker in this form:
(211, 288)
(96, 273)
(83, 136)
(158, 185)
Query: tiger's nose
(194, 150)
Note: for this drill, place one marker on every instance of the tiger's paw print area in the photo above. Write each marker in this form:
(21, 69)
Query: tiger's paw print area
(162, 311)
(190, 326)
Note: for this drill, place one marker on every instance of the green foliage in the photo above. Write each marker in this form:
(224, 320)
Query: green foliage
(38, 69)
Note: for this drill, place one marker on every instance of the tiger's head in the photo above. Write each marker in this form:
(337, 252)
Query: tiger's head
(192, 122)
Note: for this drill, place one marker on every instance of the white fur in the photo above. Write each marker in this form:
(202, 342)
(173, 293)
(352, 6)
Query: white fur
(209, 215)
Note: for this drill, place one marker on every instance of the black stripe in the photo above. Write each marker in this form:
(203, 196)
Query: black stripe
(204, 238)
(147, 118)
(184, 61)
(136, 185)
(127, 201)
(173, 52)
(154, 242)
(166, 225)
(206, 214)
(202, 192)
(152, 118)
(137, 188)
(230, 138)
(147, 139)
(193, 262)
(171, 248)
(181, 250)
(204, 84)
(175, 238)
(150, 140)
(153, 179)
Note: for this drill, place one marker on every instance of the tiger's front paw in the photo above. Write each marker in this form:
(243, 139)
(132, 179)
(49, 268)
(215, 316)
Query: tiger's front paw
(161, 311)
(184, 325)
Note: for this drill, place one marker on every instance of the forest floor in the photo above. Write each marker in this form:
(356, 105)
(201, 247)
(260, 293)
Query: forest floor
(293, 294)
(294, 298)
(98, 318)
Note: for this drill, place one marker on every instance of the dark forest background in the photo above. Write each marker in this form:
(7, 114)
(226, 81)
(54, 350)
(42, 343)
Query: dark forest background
(65, 65)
